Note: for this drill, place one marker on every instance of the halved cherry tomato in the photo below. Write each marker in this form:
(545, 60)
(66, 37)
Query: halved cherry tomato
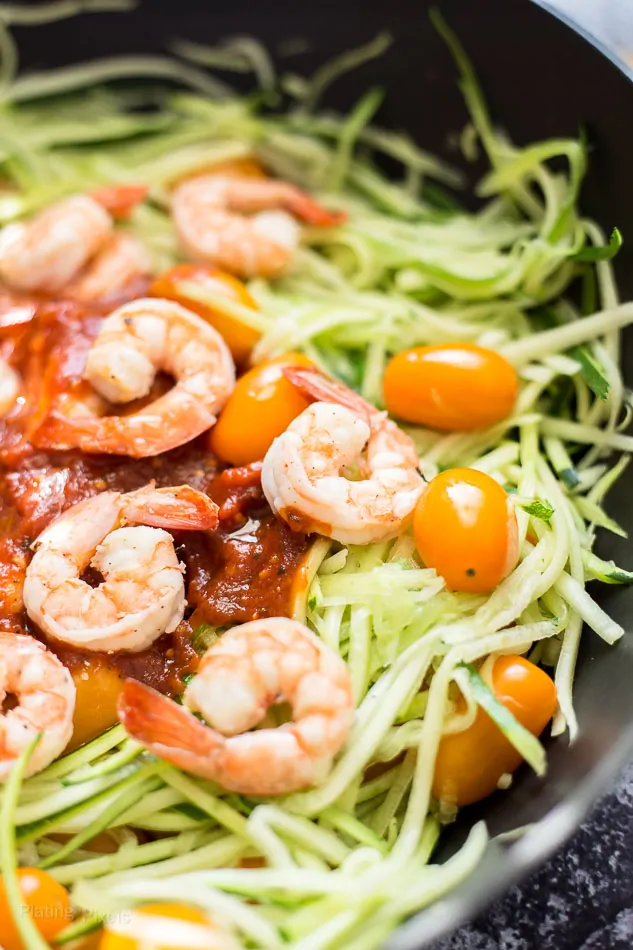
(115, 938)
(240, 337)
(45, 901)
(261, 407)
(469, 764)
(451, 386)
(466, 528)
(98, 690)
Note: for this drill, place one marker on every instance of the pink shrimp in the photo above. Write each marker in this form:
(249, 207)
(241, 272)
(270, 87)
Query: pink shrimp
(249, 669)
(123, 537)
(303, 476)
(45, 702)
(134, 343)
(209, 215)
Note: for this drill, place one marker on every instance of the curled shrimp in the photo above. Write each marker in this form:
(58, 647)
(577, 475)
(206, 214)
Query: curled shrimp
(123, 537)
(10, 385)
(134, 343)
(45, 702)
(122, 260)
(209, 216)
(240, 677)
(47, 252)
(304, 471)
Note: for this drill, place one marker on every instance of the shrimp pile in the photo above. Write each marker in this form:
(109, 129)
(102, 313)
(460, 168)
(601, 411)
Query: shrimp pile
(122, 536)
(209, 216)
(303, 475)
(251, 668)
(134, 343)
(70, 248)
(45, 701)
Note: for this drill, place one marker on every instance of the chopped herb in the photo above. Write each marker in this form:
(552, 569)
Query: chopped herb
(539, 509)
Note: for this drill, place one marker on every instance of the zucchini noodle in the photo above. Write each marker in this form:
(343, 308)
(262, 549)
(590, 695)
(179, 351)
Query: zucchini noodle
(349, 860)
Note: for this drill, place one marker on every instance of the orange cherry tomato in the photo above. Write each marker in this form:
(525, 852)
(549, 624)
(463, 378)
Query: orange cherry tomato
(98, 690)
(246, 167)
(240, 337)
(115, 938)
(261, 407)
(45, 901)
(451, 386)
(466, 528)
(469, 764)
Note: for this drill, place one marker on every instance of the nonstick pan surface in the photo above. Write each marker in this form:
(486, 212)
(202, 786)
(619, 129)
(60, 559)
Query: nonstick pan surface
(541, 79)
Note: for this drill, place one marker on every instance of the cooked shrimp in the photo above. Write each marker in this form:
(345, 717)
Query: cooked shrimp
(45, 702)
(134, 343)
(142, 595)
(304, 471)
(248, 670)
(47, 252)
(208, 213)
(121, 261)
(9, 388)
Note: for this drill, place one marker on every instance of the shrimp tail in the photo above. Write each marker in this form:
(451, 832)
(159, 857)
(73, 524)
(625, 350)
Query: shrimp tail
(120, 200)
(181, 508)
(320, 388)
(169, 731)
(307, 209)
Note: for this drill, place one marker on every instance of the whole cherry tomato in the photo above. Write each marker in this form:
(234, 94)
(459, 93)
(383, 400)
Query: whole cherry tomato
(45, 901)
(261, 407)
(469, 764)
(240, 337)
(465, 527)
(451, 386)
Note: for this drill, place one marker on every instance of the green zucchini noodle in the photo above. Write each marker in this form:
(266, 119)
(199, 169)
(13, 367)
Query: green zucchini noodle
(345, 862)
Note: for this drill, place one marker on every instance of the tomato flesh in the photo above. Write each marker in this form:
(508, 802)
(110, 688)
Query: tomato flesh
(466, 528)
(469, 764)
(451, 386)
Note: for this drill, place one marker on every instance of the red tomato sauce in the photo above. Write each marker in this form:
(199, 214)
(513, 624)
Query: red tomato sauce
(248, 568)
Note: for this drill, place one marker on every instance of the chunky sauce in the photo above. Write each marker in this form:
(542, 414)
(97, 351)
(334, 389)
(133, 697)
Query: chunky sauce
(248, 568)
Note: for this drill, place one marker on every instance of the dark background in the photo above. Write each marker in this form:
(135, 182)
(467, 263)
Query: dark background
(580, 900)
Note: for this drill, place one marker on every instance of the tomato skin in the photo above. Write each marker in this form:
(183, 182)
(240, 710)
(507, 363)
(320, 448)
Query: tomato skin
(465, 527)
(119, 941)
(48, 905)
(261, 407)
(98, 689)
(451, 386)
(239, 337)
(469, 764)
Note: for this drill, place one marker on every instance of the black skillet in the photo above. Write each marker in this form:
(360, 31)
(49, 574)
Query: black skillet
(541, 80)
